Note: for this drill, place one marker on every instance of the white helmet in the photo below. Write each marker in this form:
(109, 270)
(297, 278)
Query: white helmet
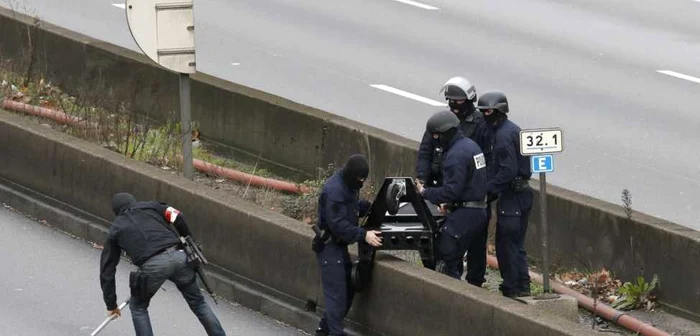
(459, 88)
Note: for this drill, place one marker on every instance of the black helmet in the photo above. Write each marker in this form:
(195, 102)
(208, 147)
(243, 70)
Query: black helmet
(442, 121)
(495, 100)
(459, 88)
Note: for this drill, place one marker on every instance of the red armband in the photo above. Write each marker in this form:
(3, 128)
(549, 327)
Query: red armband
(171, 214)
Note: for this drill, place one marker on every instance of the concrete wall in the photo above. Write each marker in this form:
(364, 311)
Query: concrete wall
(257, 248)
(584, 231)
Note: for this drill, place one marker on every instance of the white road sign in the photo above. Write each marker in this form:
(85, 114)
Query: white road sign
(164, 30)
(541, 141)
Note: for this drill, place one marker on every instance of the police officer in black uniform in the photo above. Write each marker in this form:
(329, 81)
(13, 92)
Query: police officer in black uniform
(338, 209)
(463, 191)
(149, 233)
(461, 96)
(508, 182)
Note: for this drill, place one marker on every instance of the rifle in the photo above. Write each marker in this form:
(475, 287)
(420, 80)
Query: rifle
(196, 258)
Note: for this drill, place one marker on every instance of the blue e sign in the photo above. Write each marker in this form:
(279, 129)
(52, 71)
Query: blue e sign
(542, 163)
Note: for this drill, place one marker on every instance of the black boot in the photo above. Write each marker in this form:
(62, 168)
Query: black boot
(320, 332)
(510, 295)
(524, 293)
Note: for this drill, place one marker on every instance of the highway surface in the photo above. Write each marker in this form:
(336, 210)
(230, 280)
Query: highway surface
(621, 78)
(50, 286)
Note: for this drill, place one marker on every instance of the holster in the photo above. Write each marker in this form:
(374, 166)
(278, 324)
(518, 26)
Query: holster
(138, 283)
(519, 184)
(319, 241)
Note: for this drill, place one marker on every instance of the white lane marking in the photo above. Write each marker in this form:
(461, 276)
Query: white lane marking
(122, 6)
(680, 75)
(234, 64)
(407, 95)
(420, 5)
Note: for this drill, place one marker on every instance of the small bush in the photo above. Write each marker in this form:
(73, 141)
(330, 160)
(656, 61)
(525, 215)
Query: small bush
(305, 207)
(637, 295)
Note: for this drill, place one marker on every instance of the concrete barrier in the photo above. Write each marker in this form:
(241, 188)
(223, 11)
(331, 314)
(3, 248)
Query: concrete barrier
(584, 232)
(277, 130)
(257, 253)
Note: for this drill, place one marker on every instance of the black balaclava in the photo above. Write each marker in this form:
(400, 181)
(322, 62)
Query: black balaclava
(120, 201)
(464, 110)
(494, 117)
(355, 168)
(446, 137)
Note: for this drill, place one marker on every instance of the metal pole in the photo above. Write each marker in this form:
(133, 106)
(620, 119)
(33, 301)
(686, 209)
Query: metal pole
(547, 293)
(543, 218)
(110, 318)
(185, 117)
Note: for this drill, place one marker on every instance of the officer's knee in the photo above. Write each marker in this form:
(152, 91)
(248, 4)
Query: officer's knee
(508, 226)
(139, 305)
(447, 247)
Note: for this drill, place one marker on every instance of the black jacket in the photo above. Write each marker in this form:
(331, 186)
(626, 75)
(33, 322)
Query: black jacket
(501, 145)
(339, 209)
(141, 230)
(467, 126)
(464, 174)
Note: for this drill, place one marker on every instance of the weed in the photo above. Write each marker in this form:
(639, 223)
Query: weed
(304, 207)
(627, 203)
(159, 147)
(637, 295)
(536, 289)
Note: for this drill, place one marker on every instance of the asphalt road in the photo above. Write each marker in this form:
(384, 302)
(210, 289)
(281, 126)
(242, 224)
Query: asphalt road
(621, 78)
(50, 285)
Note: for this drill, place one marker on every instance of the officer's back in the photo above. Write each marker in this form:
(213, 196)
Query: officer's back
(458, 157)
(512, 131)
(499, 142)
(141, 230)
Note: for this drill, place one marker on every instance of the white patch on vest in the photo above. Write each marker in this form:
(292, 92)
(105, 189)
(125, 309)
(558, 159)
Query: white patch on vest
(480, 161)
(171, 214)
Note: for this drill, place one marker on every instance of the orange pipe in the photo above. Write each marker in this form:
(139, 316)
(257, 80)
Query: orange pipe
(42, 112)
(601, 309)
(253, 180)
(202, 166)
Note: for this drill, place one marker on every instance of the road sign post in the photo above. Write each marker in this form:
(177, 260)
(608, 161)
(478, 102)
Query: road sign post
(539, 144)
(164, 31)
(186, 125)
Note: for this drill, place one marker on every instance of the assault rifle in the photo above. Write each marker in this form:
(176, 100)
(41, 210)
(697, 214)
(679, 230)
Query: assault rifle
(196, 258)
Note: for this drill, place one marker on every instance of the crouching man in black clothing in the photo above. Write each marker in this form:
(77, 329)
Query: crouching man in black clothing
(149, 234)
